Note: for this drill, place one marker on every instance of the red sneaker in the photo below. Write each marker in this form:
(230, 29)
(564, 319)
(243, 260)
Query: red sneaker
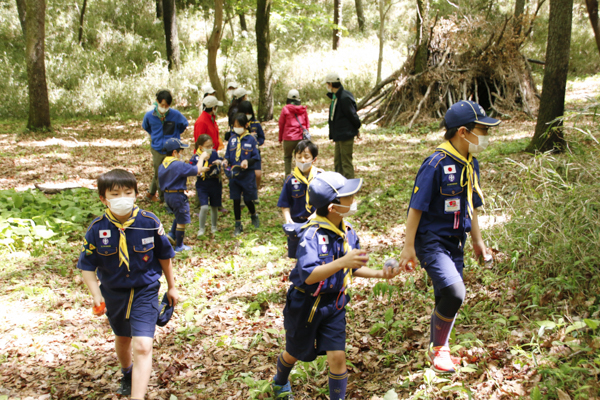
(152, 197)
(440, 359)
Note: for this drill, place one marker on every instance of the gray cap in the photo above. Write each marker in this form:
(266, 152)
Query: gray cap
(240, 92)
(332, 77)
(208, 89)
(293, 95)
(211, 101)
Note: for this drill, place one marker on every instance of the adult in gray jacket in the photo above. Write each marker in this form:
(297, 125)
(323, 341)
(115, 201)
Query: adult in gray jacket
(343, 124)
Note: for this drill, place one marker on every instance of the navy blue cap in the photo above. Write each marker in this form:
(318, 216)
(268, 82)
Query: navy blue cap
(465, 112)
(174, 144)
(233, 171)
(330, 185)
(166, 311)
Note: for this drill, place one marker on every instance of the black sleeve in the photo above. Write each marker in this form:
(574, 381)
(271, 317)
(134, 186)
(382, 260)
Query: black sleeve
(349, 110)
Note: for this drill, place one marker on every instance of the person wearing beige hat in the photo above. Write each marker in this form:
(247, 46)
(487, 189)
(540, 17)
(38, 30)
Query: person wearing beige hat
(343, 124)
(206, 123)
(292, 121)
(231, 86)
(239, 95)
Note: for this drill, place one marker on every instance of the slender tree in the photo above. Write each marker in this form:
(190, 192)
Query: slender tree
(360, 14)
(263, 43)
(337, 20)
(548, 133)
(171, 37)
(519, 9)
(421, 52)
(39, 106)
(22, 10)
(243, 24)
(592, 7)
(159, 9)
(213, 44)
(81, 20)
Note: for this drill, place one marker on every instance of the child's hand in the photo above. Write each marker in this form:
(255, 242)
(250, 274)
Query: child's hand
(480, 250)
(218, 162)
(204, 169)
(408, 258)
(244, 164)
(99, 306)
(173, 296)
(225, 163)
(289, 220)
(355, 259)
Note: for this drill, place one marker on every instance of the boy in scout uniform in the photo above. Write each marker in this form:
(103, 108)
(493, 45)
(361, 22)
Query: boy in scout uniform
(127, 251)
(443, 209)
(328, 256)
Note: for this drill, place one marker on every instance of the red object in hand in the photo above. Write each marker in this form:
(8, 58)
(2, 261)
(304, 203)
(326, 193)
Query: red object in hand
(99, 310)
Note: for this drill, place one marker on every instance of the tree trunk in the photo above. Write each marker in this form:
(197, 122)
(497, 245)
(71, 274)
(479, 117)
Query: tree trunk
(360, 14)
(263, 42)
(159, 9)
(592, 7)
(39, 106)
(519, 8)
(422, 36)
(549, 136)
(213, 44)
(337, 20)
(381, 38)
(81, 19)
(22, 9)
(243, 22)
(172, 39)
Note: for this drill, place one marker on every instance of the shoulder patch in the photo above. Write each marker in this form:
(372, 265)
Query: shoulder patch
(150, 215)
(437, 157)
(95, 221)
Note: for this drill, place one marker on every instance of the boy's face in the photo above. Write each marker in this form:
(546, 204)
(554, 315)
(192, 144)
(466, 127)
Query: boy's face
(164, 104)
(116, 192)
(305, 156)
(345, 203)
(473, 136)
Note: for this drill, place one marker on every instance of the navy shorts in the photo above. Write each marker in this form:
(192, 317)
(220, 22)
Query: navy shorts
(210, 192)
(179, 203)
(442, 257)
(313, 325)
(243, 184)
(132, 312)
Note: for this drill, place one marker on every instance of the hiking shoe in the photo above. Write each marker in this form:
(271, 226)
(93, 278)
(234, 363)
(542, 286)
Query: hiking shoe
(213, 230)
(238, 229)
(257, 201)
(440, 359)
(125, 389)
(152, 198)
(255, 221)
(223, 210)
(201, 231)
(282, 392)
(183, 247)
(171, 239)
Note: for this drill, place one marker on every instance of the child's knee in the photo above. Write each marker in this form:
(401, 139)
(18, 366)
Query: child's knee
(336, 359)
(204, 208)
(142, 346)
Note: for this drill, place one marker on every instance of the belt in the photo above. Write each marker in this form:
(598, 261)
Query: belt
(175, 191)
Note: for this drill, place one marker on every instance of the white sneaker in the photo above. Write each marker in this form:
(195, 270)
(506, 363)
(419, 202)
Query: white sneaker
(201, 232)
(213, 229)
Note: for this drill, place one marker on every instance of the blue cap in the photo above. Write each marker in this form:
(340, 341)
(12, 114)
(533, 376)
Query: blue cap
(174, 144)
(465, 112)
(330, 185)
(166, 311)
(233, 171)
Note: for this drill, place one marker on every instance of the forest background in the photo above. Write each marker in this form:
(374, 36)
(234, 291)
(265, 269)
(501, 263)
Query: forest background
(529, 327)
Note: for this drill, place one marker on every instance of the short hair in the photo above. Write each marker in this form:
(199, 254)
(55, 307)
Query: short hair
(294, 102)
(117, 178)
(207, 109)
(306, 144)
(202, 139)
(336, 85)
(164, 95)
(170, 153)
(241, 119)
(324, 211)
(246, 108)
(452, 131)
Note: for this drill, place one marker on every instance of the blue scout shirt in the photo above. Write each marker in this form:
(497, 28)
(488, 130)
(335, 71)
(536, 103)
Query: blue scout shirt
(207, 177)
(293, 196)
(249, 150)
(320, 246)
(439, 194)
(144, 245)
(172, 127)
(174, 176)
(255, 127)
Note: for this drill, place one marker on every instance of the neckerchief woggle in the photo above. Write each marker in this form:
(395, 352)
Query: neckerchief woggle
(123, 253)
(300, 176)
(324, 223)
(158, 113)
(470, 180)
(204, 164)
(238, 150)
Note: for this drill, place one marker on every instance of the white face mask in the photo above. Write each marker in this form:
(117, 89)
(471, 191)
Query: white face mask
(303, 166)
(249, 116)
(352, 210)
(329, 89)
(239, 131)
(162, 110)
(207, 152)
(121, 205)
(478, 148)
(230, 93)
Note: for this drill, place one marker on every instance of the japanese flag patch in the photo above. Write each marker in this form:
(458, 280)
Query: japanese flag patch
(449, 169)
(104, 233)
(295, 181)
(323, 239)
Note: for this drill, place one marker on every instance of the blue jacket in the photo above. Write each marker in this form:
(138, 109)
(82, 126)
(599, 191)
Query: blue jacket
(174, 176)
(173, 126)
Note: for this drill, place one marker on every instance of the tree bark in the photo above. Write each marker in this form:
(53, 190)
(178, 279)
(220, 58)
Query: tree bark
(213, 44)
(39, 106)
(171, 37)
(421, 53)
(519, 8)
(360, 14)
(243, 22)
(22, 10)
(337, 20)
(381, 38)
(592, 7)
(159, 9)
(548, 135)
(81, 19)
(263, 42)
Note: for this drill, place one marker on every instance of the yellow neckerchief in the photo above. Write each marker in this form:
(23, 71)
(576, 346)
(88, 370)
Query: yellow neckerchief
(204, 164)
(238, 151)
(123, 253)
(324, 223)
(300, 176)
(168, 160)
(471, 177)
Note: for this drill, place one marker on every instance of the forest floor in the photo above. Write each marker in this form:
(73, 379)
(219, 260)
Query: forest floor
(224, 338)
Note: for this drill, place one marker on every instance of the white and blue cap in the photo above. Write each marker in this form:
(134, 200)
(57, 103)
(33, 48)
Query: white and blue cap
(326, 187)
(174, 144)
(465, 112)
